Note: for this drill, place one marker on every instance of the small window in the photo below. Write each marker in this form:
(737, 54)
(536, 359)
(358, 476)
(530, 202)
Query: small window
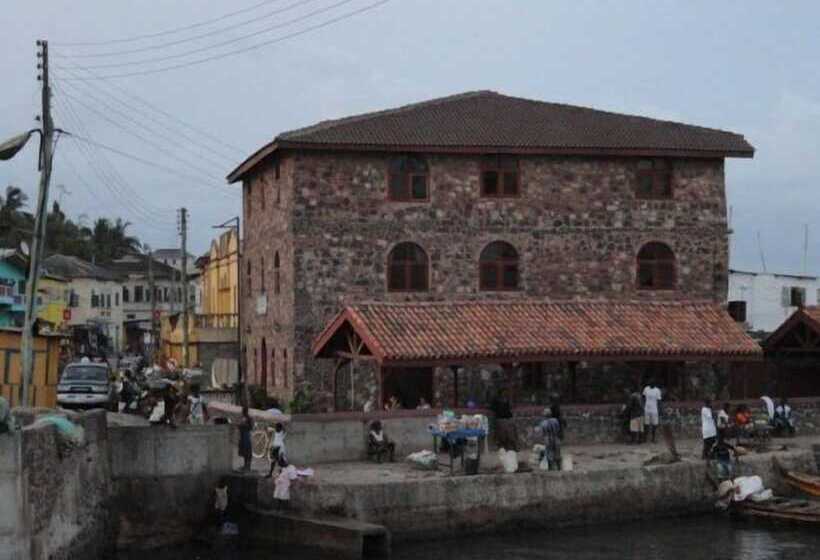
(94, 299)
(797, 296)
(407, 269)
(498, 267)
(499, 176)
(407, 179)
(654, 179)
(137, 294)
(262, 275)
(126, 296)
(656, 267)
(250, 279)
(248, 199)
(277, 171)
(737, 310)
(276, 278)
(285, 368)
(108, 301)
(273, 369)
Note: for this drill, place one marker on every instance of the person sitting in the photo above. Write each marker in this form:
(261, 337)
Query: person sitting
(392, 404)
(723, 453)
(423, 404)
(379, 444)
(783, 420)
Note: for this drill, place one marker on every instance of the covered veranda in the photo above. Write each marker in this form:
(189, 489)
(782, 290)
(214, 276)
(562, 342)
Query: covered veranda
(450, 353)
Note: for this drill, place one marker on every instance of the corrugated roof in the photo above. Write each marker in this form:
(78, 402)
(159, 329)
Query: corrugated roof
(514, 331)
(487, 120)
(74, 267)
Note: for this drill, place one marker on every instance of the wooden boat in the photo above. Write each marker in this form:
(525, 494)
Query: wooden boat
(807, 483)
(780, 509)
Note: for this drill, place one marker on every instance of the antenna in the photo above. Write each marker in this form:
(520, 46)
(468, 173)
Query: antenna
(805, 248)
(760, 248)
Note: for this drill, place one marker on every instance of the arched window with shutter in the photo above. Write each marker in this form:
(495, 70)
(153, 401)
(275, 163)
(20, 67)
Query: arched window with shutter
(407, 269)
(498, 267)
(656, 267)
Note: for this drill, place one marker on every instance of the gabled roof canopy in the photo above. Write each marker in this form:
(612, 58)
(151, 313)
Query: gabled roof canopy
(800, 333)
(499, 332)
(489, 122)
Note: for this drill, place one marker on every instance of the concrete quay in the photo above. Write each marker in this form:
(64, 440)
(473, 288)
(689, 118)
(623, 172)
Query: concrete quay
(610, 484)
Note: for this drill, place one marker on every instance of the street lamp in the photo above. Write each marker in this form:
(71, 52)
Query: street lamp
(234, 224)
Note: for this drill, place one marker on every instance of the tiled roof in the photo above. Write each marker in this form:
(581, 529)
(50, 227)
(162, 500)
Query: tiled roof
(809, 315)
(486, 120)
(515, 331)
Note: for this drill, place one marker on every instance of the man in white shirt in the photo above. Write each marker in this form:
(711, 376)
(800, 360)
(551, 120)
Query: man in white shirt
(651, 398)
(708, 427)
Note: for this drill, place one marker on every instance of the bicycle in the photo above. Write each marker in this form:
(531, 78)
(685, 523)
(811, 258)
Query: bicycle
(261, 439)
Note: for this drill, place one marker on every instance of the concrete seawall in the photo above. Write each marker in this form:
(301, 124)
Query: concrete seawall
(163, 479)
(431, 507)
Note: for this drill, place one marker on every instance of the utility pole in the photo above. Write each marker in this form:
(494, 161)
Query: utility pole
(36, 252)
(152, 290)
(183, 226)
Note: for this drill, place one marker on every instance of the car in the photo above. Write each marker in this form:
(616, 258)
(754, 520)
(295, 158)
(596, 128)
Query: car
(86, 385)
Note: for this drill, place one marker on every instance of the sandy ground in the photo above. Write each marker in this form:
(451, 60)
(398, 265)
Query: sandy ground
(585, 458)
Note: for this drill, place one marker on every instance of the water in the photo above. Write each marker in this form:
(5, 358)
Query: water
(695, 538)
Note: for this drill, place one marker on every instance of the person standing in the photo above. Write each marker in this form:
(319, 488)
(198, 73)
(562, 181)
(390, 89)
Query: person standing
(550, 427)
(635, 417)
(651, 396)
(6, 420)
(197, 409)
(245, 428)
(277, 447)
(708, 427)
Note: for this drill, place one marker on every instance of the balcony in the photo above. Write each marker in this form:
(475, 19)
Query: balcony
(216, 321)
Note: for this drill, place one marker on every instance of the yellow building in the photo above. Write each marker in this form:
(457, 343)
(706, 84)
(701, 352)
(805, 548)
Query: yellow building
(212, 334)
(46, 368)
(53, 292)
(220, 277)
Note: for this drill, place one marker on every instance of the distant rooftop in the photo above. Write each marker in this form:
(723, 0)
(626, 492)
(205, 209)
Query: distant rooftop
(71, 267)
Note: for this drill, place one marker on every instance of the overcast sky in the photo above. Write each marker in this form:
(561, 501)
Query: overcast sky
(749, 67)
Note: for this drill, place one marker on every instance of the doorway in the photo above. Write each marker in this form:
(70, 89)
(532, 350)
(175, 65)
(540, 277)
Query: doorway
(408, 385)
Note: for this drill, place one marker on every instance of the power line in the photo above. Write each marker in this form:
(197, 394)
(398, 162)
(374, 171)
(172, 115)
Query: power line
(167, 31)
(192, 38)
(321, 25)
(111, 179)
(159, 148)
(140, 160)
(223, 43)
(146, 114)
(171, 141)
(142, 101)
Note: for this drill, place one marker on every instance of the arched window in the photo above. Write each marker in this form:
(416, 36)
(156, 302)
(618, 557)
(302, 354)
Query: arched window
(250, 281)
(656, 267)
(262, 275)
(263, 355)
(498, 267)
(407, 269)
(273, 369)
(276, 281)
(407, 179)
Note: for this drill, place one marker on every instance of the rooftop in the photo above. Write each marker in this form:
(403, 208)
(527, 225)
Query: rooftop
(457, 332)
(486, 121)
(70, 267)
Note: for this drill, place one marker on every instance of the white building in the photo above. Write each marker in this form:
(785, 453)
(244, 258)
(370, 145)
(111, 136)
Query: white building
(94, 304)
(770, 298)
(173, 258)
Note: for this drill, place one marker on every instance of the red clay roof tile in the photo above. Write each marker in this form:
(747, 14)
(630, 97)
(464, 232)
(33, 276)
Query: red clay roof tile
(516, 331)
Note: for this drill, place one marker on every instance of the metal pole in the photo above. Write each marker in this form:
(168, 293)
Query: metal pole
(183, 224)
(152, 290)
(38, 241)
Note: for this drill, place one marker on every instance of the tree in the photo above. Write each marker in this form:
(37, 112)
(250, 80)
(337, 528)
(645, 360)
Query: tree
(15, 224)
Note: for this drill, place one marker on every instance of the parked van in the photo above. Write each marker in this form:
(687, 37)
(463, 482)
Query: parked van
(87, 384)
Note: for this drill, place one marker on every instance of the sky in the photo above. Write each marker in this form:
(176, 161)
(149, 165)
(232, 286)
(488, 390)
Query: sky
(745, 66)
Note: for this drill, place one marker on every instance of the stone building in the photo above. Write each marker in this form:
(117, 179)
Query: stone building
(477, 196)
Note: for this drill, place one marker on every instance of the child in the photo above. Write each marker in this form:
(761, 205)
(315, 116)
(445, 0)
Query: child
(277, 447)
(221, 500)
(281, 491)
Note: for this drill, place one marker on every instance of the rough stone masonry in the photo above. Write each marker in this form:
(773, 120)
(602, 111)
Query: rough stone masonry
(577, 226)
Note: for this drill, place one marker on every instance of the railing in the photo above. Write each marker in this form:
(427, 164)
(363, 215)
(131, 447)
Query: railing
(216, 321)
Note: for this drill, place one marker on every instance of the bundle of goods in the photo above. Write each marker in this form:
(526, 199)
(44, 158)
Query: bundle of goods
(426, 460)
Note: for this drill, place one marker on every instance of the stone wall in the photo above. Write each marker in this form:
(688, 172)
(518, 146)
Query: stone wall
(439, 507)
(577, 227)
(55, 501)
(163, 480)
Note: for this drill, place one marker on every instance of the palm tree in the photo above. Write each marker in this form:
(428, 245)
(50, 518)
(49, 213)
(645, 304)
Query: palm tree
(14, 200)
(12, 216)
